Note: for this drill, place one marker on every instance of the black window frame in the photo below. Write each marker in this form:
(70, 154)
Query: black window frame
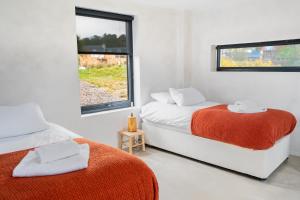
(128, 19)
(257, 44)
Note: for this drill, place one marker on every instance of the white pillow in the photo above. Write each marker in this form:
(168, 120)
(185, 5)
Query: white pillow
(163, 97)
(186, 96)
(21, 120)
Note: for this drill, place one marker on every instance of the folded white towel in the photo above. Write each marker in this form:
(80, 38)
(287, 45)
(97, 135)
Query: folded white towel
(246, 107)
(56, 151)
(30, 165)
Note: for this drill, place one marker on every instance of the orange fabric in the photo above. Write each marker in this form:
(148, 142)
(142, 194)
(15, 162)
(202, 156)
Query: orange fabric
(255, 131)
(111, 175)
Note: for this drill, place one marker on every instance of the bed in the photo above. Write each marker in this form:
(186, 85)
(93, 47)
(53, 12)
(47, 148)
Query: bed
(168, 127)
(111, 174)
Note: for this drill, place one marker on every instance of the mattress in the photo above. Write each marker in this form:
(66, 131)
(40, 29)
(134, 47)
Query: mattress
(171, 115)
(54, 134)
(256, 163)
(168, 127)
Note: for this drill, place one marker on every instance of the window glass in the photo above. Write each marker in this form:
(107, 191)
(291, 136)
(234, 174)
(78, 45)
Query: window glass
(266, 56)
(100, 35)
(103, 78)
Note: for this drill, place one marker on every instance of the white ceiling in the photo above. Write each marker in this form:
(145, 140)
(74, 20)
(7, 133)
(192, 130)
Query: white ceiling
(194, 4)
(205, 4)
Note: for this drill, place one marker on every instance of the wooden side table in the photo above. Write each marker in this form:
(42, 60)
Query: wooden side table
(134, 139)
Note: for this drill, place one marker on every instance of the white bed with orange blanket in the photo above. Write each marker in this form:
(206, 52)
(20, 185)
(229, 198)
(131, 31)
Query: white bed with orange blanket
(167, 126)
(110, 174)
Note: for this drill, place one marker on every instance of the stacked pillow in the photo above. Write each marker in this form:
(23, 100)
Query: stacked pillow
(163, 97)
(181, 97)
(21, 120)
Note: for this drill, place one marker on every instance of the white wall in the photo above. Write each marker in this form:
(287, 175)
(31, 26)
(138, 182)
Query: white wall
(39, 59)
(39, 63)
(254, 21)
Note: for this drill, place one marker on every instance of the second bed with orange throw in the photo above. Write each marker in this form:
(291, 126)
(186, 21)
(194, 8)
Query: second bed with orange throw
(257, 131)
(254, 144)
(111, 174)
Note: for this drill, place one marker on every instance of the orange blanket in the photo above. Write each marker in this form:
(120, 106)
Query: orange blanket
(255, 131)
(111, 175)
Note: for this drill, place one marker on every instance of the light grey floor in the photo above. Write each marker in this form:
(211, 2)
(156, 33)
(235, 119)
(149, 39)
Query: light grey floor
(184, 179)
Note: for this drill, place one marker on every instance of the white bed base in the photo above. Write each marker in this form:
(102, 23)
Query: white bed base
(258, 163)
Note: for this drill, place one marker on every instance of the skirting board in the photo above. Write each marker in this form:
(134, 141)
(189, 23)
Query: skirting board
(258, 163)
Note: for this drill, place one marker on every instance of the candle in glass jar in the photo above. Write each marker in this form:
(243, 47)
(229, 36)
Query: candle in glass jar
(132, 125)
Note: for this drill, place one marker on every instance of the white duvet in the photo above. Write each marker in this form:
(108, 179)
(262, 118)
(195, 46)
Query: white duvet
(171, 114)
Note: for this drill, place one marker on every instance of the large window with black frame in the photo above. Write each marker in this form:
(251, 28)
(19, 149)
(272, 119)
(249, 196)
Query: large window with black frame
(105, 62)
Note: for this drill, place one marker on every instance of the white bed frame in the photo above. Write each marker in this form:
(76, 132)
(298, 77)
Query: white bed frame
(257, 163)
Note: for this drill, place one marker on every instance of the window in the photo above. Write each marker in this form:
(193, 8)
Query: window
(105, 60)
(265, 56)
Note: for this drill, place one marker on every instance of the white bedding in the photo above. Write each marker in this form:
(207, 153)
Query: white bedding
(172, 114)
(54, 134)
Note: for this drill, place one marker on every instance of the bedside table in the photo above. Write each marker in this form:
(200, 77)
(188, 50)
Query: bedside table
(134, 139)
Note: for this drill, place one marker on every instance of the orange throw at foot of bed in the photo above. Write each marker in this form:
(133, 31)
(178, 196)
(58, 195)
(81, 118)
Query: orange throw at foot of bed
(257, 131)
(111, 175)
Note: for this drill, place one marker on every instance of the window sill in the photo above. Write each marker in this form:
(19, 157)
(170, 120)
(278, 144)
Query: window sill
(107, 112)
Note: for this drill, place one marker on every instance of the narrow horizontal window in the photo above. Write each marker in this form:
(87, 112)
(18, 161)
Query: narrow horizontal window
(264, 56)
(104, 43)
